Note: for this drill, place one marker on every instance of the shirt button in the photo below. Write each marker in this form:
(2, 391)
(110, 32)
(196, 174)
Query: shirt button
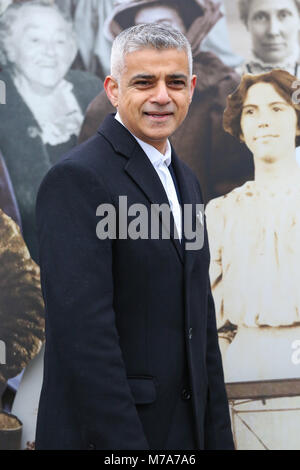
(186, 395)
(190, 333)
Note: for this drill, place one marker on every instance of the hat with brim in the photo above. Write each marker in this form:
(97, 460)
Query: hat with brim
(122, 17)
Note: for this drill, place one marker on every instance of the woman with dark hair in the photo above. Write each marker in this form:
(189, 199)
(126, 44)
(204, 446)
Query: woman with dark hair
(254, 234)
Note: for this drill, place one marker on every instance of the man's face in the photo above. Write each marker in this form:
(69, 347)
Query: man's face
(154, 93)
(161, 14)
(274, 26)
(268, 123)
(40, 47)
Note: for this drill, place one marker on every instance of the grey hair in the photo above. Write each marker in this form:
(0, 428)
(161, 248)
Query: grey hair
(11, 14)
(146, 36)
(244, 9)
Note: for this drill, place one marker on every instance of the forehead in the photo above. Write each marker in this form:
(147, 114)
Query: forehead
(156, 62)
(272, 6)
(263, 94)
(38, 18)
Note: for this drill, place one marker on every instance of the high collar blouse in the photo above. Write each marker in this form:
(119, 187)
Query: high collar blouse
(254, 236)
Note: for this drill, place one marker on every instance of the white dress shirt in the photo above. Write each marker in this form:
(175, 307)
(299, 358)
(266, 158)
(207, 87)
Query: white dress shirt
(160, 163)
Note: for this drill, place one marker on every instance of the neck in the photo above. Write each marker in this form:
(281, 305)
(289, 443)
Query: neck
(271, 173)
(160, 146)
(290, 59)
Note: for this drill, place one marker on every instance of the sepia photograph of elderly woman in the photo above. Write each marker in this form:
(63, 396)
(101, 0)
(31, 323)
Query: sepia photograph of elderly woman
(46, 101)
(254, 234)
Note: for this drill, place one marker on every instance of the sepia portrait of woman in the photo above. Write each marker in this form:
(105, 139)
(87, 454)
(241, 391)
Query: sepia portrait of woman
(273, 27)
(46, 100)
(254, 234)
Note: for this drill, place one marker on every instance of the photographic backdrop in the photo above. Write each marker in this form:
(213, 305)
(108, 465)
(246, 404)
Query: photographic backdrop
(54, 56)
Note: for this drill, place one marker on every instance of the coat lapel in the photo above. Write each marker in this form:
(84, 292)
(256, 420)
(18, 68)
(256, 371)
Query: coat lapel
(187, 197)
(138, 167)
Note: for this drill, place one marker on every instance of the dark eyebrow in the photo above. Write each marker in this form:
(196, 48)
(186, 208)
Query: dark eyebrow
(259, 12)
(250, 106)
(141, 76)
(279, 102)
(270, 104)
(178, 76)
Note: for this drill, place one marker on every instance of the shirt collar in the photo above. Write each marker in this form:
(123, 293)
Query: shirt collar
(152, 153)
(288, 64)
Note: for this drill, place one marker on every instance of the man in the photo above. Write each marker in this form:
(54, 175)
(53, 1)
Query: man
(219, 162)
(131, 333)
(274, 27)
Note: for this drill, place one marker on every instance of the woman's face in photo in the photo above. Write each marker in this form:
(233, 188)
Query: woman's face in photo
(161, 14)
(268, 123)
(274, 27)
(41, 48)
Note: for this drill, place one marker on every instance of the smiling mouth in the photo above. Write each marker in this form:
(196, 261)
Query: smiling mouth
(160, 117)
(47, 66)
(267, 136)
(158, 114)
(275, 45)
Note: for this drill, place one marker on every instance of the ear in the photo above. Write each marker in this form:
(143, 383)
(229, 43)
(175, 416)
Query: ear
(193, 85)
(111, 87)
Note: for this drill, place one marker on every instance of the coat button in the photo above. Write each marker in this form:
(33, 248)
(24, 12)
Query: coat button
(91, 446)
(186, 395)
(190, 333)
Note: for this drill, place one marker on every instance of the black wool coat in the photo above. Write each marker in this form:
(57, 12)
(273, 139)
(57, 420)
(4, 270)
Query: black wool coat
(132, 358)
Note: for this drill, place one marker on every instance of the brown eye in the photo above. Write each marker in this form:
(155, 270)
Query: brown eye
(177, 83)
(283, 14)
(142, 83)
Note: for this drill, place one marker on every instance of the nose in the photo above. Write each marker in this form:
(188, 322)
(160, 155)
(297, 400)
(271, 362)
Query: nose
(263, 120)
(274, 26)
(161, 94)
(49, 49)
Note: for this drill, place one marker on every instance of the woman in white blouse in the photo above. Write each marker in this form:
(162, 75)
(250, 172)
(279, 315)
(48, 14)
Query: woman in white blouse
(255, 235)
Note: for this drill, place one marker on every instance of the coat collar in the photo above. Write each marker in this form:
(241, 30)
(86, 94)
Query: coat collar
(140, 169)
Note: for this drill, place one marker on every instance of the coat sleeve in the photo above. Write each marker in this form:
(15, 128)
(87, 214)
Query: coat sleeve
(78, 289)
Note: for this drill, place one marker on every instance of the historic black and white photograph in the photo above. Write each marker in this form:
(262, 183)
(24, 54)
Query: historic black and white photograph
(240, 137)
